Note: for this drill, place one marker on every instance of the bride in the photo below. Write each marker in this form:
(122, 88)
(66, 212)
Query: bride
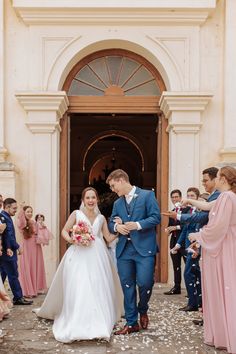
(85, 299)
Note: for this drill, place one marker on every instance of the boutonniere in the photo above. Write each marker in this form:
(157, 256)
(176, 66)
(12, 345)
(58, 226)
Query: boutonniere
(135, 196)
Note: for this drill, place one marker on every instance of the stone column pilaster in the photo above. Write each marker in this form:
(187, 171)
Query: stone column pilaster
(183, 111)
(3, 150)
(228, 153)
(8, 174)
(44, 110)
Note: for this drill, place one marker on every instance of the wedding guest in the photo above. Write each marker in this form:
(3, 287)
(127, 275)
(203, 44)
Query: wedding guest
(174, 229)
(192, 274)
(209, 183)
(2, 228)
(137, 246)
(43, 235)
(31, 266)
(9, 252)
(200, 217)
(85, 298)
(217, 239)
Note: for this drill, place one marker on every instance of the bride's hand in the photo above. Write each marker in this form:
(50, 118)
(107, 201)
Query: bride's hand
(70, 241)
(117, 220)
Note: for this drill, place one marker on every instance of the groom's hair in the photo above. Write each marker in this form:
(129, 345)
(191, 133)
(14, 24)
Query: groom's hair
(117, 174)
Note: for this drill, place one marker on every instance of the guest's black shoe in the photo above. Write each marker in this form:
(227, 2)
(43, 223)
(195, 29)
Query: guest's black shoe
(188, 308)
(22, 301)
(173, 291)
(198, 322)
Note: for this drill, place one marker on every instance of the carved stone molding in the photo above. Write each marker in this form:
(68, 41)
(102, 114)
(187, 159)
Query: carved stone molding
(184, 102)
(42, 128)
(44, 101)
(150, 12)
(44, 109)
(228, 155)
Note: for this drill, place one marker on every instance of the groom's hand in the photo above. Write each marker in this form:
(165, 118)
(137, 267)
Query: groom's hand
(122, 229)
(131, 225)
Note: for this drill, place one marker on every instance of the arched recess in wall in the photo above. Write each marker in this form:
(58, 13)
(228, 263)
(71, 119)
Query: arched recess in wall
(116, 81)
(118, 133)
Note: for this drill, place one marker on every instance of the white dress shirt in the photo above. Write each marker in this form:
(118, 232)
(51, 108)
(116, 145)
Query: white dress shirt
(128, 198)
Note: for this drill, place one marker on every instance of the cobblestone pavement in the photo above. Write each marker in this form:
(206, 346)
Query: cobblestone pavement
(170, 331)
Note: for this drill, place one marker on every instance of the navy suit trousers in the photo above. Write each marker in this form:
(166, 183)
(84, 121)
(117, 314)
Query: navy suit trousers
(135, 270)
(192, 277)
(11, 269)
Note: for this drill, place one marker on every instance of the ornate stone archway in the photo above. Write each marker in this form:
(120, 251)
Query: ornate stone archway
(114, 101)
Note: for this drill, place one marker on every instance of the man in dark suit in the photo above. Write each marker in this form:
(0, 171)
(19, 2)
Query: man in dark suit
(208, 181)
(10, 247)
(201, 217)
(137, 246)
(173, 229)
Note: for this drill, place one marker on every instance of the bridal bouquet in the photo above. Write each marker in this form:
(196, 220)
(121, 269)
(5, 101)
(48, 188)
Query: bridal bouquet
(81, 234)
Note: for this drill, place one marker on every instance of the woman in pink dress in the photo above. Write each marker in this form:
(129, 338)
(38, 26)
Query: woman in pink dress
(31, 271)
(218, 241)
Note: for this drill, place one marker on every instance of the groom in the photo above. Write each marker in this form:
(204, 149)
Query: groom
(137, 246)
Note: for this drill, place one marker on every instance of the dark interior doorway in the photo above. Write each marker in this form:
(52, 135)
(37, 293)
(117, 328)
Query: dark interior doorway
(100, 143)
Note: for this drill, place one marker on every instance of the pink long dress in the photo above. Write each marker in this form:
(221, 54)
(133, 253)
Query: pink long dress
(31, 265)
(218, 240)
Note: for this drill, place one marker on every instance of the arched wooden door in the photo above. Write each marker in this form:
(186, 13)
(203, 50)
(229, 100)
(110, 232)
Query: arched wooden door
(116, 81)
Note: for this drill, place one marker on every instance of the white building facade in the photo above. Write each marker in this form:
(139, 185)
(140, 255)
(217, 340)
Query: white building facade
(190, 43)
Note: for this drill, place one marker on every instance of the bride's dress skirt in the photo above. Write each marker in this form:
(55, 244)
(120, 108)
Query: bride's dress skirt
(85, 299)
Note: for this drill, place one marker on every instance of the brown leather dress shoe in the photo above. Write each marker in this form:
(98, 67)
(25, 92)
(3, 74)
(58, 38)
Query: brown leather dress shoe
(144, 320)
(127, 330)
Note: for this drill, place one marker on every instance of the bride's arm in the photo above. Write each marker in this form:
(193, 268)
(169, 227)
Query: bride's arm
(68, 226)
(109, 237)
(199, 204)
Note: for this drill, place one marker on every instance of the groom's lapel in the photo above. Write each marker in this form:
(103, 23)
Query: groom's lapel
(124, 205)
(134, 200)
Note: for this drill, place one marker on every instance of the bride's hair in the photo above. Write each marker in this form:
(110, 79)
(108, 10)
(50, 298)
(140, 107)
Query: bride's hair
(89, 189)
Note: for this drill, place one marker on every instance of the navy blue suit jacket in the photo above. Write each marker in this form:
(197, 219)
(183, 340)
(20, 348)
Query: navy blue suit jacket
(199, 217)
(8, 238)
(145, 210)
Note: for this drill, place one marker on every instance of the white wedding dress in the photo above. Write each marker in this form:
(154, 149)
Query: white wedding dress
(85, 299)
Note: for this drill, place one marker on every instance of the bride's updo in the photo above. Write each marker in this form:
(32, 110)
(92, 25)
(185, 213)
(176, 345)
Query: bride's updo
(229, 173)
